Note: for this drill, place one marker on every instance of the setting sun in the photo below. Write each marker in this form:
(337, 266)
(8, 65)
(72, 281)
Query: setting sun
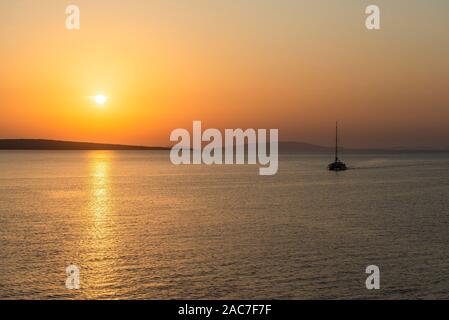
(100, 99)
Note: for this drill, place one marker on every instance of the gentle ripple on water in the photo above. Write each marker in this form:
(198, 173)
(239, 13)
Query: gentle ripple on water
(142, 228)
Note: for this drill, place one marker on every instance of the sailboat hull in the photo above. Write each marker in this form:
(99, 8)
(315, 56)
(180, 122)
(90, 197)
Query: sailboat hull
(337, 166)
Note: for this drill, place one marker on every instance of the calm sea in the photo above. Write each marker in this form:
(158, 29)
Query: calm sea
(139, 227)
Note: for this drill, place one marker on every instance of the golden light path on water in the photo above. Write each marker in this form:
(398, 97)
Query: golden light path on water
(101, 248)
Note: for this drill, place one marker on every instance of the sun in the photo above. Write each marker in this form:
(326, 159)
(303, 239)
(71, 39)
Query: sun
(100, 99)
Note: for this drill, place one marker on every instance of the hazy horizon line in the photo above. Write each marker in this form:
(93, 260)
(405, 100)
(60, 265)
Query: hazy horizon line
(17, 143)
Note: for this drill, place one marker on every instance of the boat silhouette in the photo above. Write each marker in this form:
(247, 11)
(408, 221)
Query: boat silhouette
(337, 165)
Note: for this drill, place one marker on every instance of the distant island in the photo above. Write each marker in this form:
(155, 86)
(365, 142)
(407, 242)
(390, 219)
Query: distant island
(285, 147)
(302, 147)
(42, 144)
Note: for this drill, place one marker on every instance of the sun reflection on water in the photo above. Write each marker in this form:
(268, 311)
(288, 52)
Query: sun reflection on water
(101, 248)
(99, 163)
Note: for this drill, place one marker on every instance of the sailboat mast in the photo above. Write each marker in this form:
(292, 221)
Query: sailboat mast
(337, 165)
(336, 141)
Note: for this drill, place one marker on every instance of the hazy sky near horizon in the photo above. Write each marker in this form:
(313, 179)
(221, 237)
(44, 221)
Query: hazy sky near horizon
(288, 64)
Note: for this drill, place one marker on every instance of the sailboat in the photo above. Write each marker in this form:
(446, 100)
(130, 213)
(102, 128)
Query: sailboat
(337, 165)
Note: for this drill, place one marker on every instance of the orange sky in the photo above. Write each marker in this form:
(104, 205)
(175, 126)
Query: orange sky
(293, 65)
